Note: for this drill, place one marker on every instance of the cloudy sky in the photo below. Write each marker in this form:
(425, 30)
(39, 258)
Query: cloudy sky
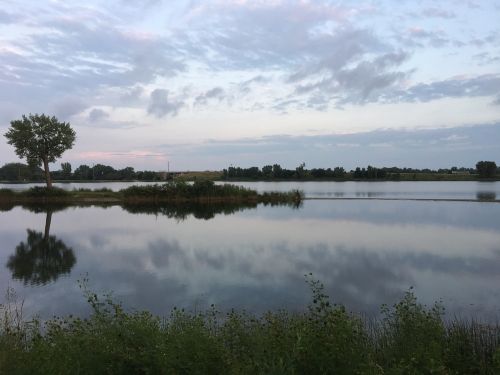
(206, 84)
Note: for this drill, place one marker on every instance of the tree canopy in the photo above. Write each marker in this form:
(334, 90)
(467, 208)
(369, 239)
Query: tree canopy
(486, 168)
(40, 139)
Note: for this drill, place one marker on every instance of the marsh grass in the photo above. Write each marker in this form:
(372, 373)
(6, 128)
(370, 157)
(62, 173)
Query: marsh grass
(181, 189)
(44, 192)
(201, 191)
(325, 339)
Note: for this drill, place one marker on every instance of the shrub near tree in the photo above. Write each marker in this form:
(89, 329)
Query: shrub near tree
(40, 139)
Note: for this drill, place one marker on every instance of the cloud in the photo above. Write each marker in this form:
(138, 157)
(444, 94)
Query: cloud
(68, 51)
(68, 107)
(314, 43)
(456, 87)
(160, 105)
(356, 83)
(264, 57)
(455, 138)
(97, 114)
(217, 93)
(425, 148)
(438, 13)
(420, 37)
(6, 18)
(131, 96)
(245, 87)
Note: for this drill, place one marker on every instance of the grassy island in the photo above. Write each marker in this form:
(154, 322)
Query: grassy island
(325, 338)
(179, 191)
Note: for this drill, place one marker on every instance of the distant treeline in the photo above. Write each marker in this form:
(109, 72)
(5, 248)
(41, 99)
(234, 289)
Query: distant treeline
(275, 171)
(98, 172)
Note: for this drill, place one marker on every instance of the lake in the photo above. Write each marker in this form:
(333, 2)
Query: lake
(366, 252)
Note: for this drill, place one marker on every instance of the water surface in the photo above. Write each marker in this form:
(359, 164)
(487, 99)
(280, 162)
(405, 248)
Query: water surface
(366, 252)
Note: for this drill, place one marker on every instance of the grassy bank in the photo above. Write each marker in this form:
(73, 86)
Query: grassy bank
(325, 339)
(200, 191)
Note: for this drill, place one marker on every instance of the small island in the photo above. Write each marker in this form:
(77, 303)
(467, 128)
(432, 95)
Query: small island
(203, 191)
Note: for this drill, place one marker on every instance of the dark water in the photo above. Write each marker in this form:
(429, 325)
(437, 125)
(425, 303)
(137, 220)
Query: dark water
(366, 252)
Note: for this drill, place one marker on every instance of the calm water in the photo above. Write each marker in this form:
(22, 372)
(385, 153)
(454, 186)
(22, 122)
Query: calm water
(350, 189)
(367, 252)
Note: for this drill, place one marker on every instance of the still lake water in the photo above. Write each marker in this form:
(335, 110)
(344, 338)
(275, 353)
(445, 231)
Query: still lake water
(366, 252)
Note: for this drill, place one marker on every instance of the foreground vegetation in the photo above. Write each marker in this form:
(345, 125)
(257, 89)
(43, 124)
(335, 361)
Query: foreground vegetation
(325, 339)
(178, 191)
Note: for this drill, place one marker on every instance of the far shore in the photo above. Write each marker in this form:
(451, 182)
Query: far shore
(438, 178)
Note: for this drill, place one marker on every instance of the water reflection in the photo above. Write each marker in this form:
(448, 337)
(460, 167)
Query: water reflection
(42, 258)
(205, 211)
(366, 253)
(486, 196)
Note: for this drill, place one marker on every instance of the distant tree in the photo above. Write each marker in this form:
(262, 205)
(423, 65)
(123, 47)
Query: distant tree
(277, 171)
(339, 172)
(486, 168)
(300, 170)
(127, 173)
(104, 172)
(41, 140)
(66, 170)
(20, 172)
(267, 170)
(319, 172)
(83, 172)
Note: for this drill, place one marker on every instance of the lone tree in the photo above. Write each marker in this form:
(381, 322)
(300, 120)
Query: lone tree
(486, 168)
(41, 140)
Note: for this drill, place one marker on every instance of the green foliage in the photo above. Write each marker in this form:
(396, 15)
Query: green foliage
(412, 337)
(486, 169)
(20, 172)
(181, 189)
(206, 190)
(324, 339)
(40, 139)
(41, 192)
(66, 170)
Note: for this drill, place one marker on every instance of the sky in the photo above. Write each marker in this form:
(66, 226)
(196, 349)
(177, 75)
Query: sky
(206, 84)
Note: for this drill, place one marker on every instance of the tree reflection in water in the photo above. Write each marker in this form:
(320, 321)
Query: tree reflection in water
(42, 258)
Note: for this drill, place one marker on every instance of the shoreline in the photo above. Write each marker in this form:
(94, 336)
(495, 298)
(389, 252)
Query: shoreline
(442, 178)
(89, 200)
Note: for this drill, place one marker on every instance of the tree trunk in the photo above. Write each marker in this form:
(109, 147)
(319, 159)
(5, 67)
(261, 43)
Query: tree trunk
(47, 173)
(48, 219)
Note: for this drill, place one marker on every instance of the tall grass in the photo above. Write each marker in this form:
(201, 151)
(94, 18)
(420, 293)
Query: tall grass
(324, 339)
(202, 191)
(205, 190)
